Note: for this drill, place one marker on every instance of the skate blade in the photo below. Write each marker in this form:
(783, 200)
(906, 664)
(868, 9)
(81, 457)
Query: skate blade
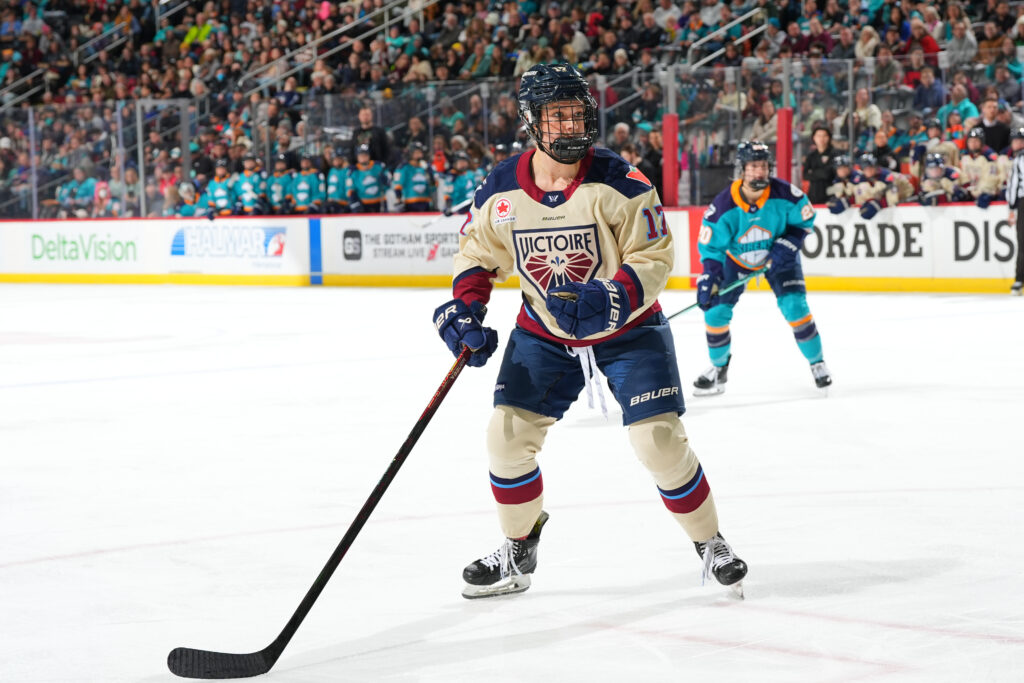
(737, 590)
(714, 391)
(510, 586)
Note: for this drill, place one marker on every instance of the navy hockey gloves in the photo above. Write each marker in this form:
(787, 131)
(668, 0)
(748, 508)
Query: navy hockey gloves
(870, 208)
(459, 325)
(585, 308)
(783, 253)
(984, 199)
(838, 204)
(708, 284)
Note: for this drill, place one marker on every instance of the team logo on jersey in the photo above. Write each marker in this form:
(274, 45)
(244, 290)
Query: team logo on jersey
(551, 257)
(754, 245)
(636, 174)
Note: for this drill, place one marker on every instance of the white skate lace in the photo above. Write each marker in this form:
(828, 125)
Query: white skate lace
(590, 374)
(717, 554)
(819, 370)
(504, 559)
(711, 374)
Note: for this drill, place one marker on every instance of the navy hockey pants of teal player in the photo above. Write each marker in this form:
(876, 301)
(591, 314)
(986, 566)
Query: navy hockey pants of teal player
(791, 297)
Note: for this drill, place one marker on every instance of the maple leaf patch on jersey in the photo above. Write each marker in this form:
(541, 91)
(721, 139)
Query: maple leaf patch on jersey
(551, 257)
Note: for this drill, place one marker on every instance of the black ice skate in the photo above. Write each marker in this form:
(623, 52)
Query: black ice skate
(822, 377)
(1017, 288)
(722, 563)
(507, 570)
(713, 380)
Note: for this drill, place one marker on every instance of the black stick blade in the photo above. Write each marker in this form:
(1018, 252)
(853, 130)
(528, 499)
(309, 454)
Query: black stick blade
(189, 663)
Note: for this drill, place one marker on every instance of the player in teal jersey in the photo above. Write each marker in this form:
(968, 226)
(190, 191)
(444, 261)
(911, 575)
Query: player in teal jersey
(308, 187)
(414, 181)
(220, 191)
(191, 204)
(367, 183)
(248, 188)
(464, 181)
(758, 222)
(278, 188)
(337, 183)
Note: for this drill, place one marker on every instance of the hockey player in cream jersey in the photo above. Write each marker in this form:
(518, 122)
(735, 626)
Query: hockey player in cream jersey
(979, 171)
(586, 234)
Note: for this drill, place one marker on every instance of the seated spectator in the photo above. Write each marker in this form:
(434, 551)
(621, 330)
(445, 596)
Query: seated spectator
(933, 24)
(958, 102)
(954, 131)
(766, 125)
(867, 43)
(620, 137)
(817, 35)
(962, 47)
(920, 38)
(888, 72)
(815, 79)
(990, 45)
(912, 70)
(929, 93)
(846, 47)
(1007, 57)
(1009, 89)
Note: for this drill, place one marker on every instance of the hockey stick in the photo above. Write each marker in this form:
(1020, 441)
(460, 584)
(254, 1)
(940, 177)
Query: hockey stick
(732, 286)
(191, 663)
(448, 212)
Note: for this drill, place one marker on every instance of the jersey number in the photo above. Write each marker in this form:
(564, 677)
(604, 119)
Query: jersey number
(656, 226)
(704, 236)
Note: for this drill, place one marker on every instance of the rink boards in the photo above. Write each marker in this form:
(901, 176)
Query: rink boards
(956, 248)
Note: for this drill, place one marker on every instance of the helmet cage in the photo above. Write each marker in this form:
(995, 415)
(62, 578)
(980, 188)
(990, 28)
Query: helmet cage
(547, 84)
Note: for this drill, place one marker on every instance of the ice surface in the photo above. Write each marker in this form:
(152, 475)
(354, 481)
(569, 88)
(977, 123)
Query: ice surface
(178, 463)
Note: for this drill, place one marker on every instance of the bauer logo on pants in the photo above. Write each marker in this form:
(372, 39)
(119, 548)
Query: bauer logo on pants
(551, 257)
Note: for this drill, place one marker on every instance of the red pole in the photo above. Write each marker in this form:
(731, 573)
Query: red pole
(784, 145)
(670, 159)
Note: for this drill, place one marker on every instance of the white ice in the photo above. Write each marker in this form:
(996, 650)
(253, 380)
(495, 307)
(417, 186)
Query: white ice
(178, 463)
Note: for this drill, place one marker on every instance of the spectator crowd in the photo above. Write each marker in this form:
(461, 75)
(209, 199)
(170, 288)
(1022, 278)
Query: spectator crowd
(882, 90)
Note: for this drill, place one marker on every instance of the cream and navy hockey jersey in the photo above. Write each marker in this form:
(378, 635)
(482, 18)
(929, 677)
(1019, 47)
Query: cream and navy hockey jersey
(609, 223)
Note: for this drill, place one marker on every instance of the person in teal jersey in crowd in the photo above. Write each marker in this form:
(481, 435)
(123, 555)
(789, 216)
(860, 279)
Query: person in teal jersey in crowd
(308, 187)
(220, 192)
(191, 204)
(367, 183)
(278, 188)
(414, 181)
(757, 222)
(249, 188)
(337, 183)
(464, 181)
(76, 195)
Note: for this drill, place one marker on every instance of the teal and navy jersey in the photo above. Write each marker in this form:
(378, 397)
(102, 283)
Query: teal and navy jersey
(278, 188)
(248, 190)
(415, 184)
(463, 186)
(745, 232)
(308, 189)
(200, 208)
(220, 195)
(337, 185)
(368, 184)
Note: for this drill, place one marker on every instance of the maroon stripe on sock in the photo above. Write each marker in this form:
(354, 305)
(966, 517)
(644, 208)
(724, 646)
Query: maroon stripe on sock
(520, 494)
(692, 501)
